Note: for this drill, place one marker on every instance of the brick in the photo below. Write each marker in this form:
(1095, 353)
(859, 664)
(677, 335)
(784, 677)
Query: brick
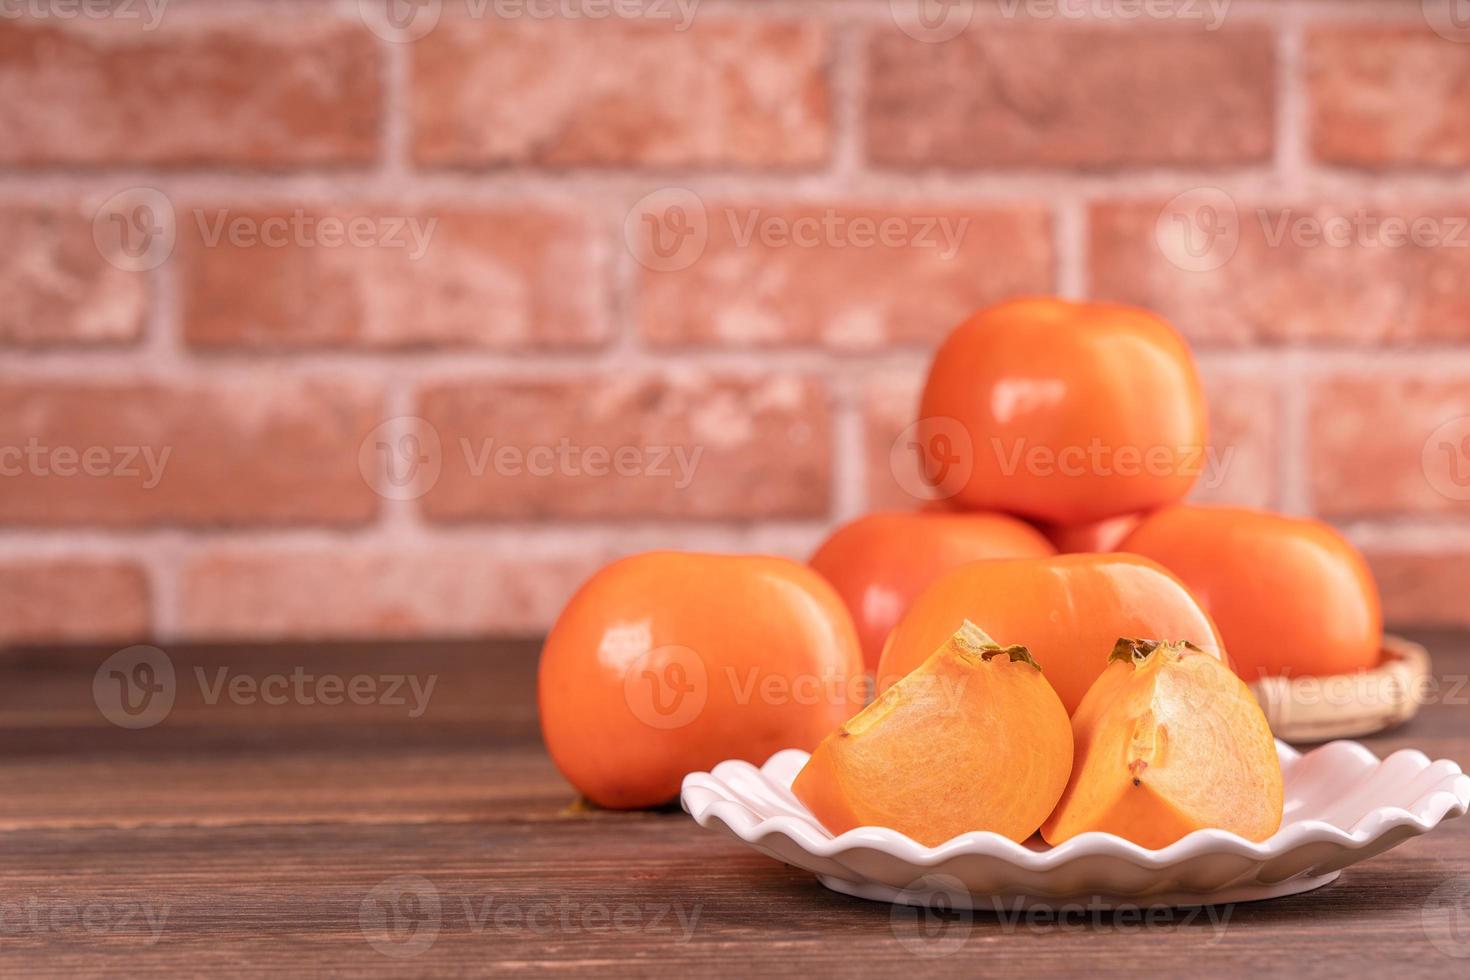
(314, 595)
(1334, 273)
(890, 403)
(1245, 419)
(57, 289)
(1387, 96)
(1422, 589)
(734, 92)
(72, 600)
(261, 450)
(690, 446)
(1390, 445)
(1018, 96)
(287, 277)
(844, 276)
(264, 92)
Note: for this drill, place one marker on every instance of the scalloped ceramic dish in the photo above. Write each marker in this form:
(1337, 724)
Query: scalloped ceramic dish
(1343, 805)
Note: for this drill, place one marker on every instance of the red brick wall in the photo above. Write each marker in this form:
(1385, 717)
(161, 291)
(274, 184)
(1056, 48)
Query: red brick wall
(248, 242)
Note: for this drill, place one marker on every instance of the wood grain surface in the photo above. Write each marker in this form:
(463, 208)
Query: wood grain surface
(239, 836)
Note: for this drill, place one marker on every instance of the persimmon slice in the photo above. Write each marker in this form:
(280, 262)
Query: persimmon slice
(973, 739)
(1169, 741)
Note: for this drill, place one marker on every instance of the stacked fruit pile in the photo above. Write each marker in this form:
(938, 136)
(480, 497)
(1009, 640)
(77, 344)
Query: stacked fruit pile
(1057, 642)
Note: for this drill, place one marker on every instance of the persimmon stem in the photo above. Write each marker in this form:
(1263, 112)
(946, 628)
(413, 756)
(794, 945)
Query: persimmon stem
(1138, 651)
(974, 640)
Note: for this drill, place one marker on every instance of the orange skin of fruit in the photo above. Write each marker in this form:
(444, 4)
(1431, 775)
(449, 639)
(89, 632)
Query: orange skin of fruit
(1104, 535)
(878, 563)
(1062, 379)
(667, 663)
(1289, 595)
(1068, 611)
(962, 743)
(1166, 747)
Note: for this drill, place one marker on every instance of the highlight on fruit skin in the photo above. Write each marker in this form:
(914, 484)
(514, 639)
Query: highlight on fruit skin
(1169, 741)
(972, 739)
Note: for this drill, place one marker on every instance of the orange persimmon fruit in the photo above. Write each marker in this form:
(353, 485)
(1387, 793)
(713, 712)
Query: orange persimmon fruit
(879, 562)
(974, 739)
(1168, 741)
(1289, 595)
(1063, 412)
(666, 663)
(1063, 609)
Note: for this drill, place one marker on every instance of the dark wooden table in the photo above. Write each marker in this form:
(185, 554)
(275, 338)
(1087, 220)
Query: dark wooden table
(240, 836)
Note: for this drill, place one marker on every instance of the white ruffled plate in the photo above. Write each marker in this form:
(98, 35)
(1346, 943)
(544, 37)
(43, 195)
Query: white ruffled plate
(1343, 805)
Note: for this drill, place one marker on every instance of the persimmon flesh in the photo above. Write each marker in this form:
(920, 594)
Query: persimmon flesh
(1168, 741)
(974, 739)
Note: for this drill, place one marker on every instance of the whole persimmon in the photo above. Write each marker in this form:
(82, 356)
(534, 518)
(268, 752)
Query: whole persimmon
(1068, 611)
(1063, 412)
(1290, 595)
(879, 562)
(1103, 535)
(666, 663)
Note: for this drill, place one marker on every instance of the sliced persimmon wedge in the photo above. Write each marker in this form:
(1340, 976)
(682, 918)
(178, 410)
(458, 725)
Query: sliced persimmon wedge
(972, 739)
(1168, 741)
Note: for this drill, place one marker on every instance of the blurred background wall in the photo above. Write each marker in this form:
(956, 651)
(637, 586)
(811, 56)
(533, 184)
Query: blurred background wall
(329, 319)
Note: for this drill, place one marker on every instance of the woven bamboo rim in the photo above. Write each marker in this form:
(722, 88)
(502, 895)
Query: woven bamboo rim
(1315, 709)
